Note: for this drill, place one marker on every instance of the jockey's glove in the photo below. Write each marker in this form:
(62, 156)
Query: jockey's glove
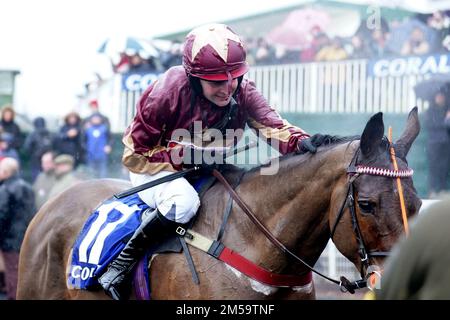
(310, 144)
(206, 160)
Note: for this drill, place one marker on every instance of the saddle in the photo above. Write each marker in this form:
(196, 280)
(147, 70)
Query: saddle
(111, 225)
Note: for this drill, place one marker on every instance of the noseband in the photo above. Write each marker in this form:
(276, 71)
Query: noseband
(353, 172)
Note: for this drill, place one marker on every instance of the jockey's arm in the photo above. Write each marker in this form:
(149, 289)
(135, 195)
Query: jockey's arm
(282, 135)
(143, 151)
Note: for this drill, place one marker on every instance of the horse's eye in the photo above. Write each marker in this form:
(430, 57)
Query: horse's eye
(366, 207)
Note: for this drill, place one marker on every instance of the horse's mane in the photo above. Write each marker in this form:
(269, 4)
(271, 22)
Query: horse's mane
(328, 141)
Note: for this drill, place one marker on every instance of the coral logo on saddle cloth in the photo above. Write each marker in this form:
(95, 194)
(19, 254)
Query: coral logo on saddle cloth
(103, 236)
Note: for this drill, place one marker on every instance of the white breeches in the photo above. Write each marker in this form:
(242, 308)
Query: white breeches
(176, 200)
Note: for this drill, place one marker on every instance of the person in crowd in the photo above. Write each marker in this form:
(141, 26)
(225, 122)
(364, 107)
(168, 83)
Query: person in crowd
(70, 139)
(358, 47)
(37, 142)
(418, 266)
(8, 125)
(95, 111)
(378, 47)
(319, 41)
(17, 208)
(417, 44)
(98, 148)
(209, 91)
(439, 21)
(6, 150)
(174, 56)
(264, 54)
(45, 180)
(64, 174)
(436, 123)
(332, 52)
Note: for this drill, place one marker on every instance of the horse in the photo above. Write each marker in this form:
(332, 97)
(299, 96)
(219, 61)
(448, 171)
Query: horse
(303, 205)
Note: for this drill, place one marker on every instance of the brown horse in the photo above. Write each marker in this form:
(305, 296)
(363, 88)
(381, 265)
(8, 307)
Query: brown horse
(300, 205)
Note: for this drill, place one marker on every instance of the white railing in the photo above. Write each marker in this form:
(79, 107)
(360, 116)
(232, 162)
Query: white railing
(341, 87)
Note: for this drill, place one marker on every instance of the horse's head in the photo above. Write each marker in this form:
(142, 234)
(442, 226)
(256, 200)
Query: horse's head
(366, 227)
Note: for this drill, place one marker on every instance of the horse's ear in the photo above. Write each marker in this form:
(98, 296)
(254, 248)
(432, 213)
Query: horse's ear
(372, 135)
(408, 136)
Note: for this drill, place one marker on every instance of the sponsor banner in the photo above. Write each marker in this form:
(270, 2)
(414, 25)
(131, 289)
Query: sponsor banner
(412, 65)
(138, 81)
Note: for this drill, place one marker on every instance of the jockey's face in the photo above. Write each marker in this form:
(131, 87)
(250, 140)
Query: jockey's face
(217, 91)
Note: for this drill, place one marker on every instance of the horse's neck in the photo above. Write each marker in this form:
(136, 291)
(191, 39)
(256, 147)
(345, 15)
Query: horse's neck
(293, 205)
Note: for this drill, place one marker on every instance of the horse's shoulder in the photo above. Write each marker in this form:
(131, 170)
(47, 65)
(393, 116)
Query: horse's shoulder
(115, 184)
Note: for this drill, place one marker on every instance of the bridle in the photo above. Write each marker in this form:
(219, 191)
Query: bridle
(353, 172)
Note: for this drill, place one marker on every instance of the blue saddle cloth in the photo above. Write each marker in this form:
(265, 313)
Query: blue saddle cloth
(104, 235)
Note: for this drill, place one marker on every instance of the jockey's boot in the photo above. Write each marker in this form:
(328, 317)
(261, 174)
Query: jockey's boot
(153, 229)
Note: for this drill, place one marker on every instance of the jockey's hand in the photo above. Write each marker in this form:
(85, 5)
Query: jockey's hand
(310, 144)
(197, 157)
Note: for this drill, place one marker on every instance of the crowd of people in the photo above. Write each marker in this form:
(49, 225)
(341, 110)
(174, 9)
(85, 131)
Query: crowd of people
(78, 150)
(418, 35)
(55, 157)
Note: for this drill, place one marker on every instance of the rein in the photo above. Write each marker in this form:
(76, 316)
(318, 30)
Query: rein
(354, 172)
(264, 230)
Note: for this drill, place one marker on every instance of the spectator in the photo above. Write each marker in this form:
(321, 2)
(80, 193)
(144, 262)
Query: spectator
(378, 44)
(123, 65)
(264, 54)
(319, 41)
(8, 125)
(17, 208)
(358, 48)
(45, 180)
(70, 139)
(439, 21)
(95, 110)
(438, 143)
(418, 267)
(39, 141)
(5, 147)
(332, 52)
(98, 147)
(416, 44)
(64, 174)
(174, 56)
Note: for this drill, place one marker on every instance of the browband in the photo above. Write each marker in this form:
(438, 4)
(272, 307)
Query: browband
(385, 172)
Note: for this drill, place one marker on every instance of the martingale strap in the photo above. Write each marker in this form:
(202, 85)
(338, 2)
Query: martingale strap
(251, 270)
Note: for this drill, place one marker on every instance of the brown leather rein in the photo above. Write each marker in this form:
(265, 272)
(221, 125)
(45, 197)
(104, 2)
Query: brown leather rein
(347, 285)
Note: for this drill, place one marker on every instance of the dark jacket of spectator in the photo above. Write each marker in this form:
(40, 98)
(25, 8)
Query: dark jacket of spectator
(8, 125)
(438, 146)
(17, 208)
(5, 147)
(70, 139)
(39, 141)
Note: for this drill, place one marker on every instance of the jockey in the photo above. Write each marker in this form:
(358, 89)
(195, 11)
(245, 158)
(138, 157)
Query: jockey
(209, 89)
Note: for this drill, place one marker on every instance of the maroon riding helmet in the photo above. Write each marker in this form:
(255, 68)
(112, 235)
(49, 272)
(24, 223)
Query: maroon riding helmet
(214, 52)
